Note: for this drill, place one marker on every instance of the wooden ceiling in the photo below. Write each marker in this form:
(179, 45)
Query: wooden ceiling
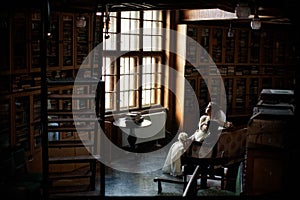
(278, 8)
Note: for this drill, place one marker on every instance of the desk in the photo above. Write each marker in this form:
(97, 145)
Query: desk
(131, 125)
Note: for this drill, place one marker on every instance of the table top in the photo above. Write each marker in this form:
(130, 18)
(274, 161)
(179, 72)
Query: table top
(128, 123)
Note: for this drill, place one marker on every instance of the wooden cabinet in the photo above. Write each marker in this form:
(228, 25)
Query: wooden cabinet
(266, 172)
(245, 63)
(21, 124)
(20, 69)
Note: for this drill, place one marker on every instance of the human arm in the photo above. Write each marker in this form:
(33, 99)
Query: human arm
(221, 119)
(203, 123)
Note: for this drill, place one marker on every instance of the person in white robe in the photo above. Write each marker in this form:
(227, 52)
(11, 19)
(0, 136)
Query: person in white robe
(212, 113)
(172, 163)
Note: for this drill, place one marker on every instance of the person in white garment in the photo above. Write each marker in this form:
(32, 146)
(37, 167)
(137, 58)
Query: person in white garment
(212, 112)
(172, 163)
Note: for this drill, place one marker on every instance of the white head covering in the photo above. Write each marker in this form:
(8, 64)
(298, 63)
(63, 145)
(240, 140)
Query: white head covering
(183, 136)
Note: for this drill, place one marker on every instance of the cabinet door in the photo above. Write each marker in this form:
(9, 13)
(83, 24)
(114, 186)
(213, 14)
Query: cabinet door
(53, 42)
(242, 46)
(267, 47)
(20, 122)
(67, 41)
(5, 122)
(253, 93)
(255, 47)
(228, 84)
(35, 121)
(217, 45)
(82, 42)
(240, 96)
(4, 45)
(19, 45)
(205, 44)
(203, 94)
(230, 47)
(35, 35)
(266, 83)
(191, 46)
(280, 46)
(216, 93)
(293, 47)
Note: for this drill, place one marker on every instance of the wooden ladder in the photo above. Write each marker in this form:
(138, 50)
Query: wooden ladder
(74, 127)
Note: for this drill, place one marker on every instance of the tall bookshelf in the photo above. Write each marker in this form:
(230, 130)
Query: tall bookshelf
(247, 62)
(20, 71)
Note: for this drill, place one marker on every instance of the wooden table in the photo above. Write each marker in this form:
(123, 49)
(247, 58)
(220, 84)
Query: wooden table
(131, 125)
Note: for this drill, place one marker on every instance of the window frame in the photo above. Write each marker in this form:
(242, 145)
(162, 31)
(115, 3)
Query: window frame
(113, 91)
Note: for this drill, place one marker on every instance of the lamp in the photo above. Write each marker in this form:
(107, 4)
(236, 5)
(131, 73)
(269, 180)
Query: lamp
(51, 30)
(80, 22)
(242, 11)
(230, 32)
(107, 20)
(255, 22)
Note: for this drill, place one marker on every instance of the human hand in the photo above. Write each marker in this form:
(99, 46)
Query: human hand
(204, 127)
(228, 124)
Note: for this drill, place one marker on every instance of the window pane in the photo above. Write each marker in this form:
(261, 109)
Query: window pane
(125, 25)
(129, 42)
(151, 81)
(113, 24)
(149, 75)
(148, 14)
(135, 14)
(157, 28)
(129, 25)
(111, 42)
(157, 43)
(157, 15)
(147, 41)
(147, 26)
(125, 14)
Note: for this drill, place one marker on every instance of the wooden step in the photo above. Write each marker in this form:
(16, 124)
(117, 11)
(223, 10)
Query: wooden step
(73, 159)
(77, 119)
(71, 96)
(71, 81)
(69, 129)
(69, 143)
(70, 175)
(71, 112)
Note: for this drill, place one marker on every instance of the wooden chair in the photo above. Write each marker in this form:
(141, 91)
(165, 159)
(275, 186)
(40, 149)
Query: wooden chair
(206, 165)
(192, 190)
(228, 153)
(209, 168)
(206, 168)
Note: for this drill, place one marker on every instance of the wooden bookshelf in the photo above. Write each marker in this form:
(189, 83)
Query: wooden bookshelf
(247, 62)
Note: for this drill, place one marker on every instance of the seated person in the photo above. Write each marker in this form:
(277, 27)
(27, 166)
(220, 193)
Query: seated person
(172, 164)
(212, 112)
(208, 132)
(207, 141)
